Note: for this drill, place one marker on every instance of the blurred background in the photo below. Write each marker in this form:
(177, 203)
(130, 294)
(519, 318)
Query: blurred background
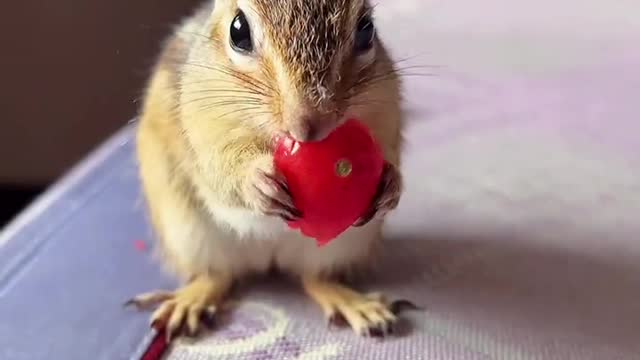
(72, 72)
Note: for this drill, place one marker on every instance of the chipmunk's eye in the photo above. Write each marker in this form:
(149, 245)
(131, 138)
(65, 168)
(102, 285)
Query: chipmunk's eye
(365, 32)
(240, 34)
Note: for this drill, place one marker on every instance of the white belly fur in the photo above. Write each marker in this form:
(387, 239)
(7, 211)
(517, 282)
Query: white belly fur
(253, 243)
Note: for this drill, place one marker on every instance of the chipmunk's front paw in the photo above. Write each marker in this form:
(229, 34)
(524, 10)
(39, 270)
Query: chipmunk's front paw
(268, 193)
(387, 197)
(184, 311)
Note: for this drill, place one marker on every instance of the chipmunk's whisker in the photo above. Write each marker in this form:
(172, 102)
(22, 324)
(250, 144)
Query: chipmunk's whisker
(239, 110)
(246, 81)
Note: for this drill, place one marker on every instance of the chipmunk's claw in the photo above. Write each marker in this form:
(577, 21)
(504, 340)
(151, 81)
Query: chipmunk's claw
(186, 311)
(399, 306)
(148, 300)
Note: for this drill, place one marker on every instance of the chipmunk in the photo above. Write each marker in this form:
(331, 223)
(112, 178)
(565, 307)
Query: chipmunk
(232, 76)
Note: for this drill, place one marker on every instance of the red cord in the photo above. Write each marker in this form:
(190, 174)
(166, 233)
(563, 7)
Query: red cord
(157, 348)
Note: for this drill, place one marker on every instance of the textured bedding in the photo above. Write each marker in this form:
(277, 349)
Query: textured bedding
(518, 232)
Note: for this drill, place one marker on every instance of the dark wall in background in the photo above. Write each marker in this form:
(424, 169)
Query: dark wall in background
(14, 198)
(70, 73)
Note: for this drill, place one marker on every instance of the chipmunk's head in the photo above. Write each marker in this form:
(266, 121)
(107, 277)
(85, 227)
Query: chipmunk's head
(295, 66)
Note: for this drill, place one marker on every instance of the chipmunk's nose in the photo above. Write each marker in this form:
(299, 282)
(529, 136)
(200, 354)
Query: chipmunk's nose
(308, 124)
(314, 129)
(310, 131)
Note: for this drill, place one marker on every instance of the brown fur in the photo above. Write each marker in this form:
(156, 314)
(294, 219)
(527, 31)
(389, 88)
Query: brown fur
(311, 38)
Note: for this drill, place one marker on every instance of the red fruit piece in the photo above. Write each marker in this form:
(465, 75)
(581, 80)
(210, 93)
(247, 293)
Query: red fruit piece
(140, 245)
(332, 181)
